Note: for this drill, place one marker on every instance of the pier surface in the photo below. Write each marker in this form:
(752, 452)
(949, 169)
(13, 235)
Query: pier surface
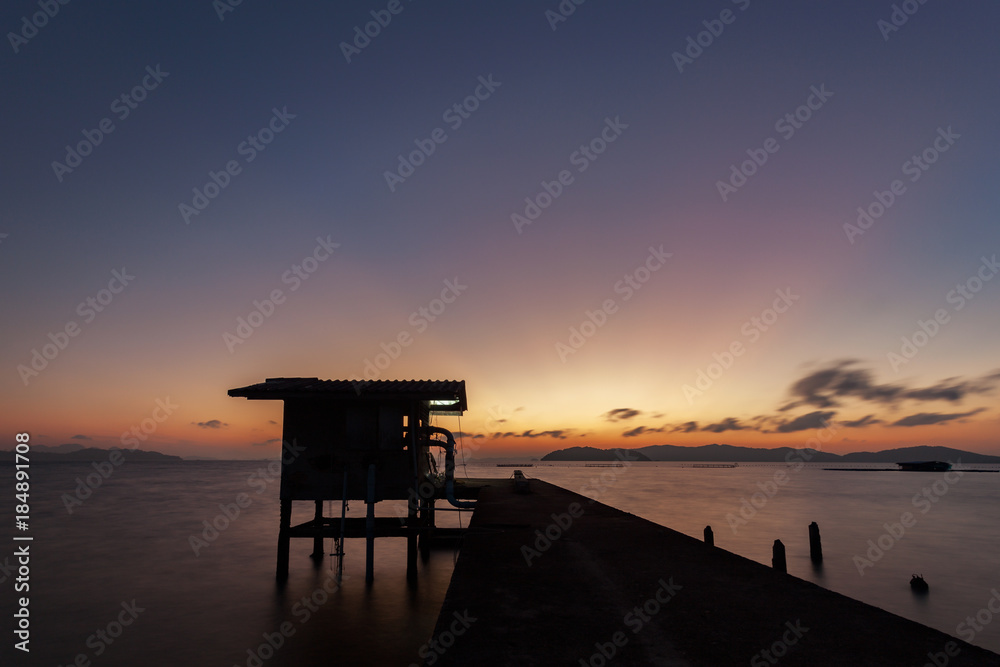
(612, 588)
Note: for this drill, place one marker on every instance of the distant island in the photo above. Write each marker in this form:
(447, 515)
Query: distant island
(594, 454)
(725, 453)
(73, 452)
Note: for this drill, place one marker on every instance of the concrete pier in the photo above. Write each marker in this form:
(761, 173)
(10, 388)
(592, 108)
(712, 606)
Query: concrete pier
(550, 577)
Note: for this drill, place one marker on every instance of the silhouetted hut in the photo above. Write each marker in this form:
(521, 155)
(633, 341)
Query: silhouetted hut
(361, 440)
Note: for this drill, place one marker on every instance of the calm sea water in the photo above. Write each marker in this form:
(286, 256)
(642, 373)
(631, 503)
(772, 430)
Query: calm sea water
(125, 554)
(130, 542)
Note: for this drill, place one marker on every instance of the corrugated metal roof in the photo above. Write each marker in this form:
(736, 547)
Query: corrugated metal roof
(426, 390)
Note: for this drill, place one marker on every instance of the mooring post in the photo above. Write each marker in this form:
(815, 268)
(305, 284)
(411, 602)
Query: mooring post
(709, 536)
(815, 546)
(778, 557)
(317, 553)
(284, 539)
(370, 525)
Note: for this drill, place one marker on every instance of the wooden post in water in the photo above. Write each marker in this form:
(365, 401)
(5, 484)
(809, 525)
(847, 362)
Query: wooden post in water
(284, 539)
(709, 536)
(778, 557)
(370, 526)
(815, 546)
(317, 553)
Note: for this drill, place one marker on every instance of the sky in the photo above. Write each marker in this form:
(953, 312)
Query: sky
(622, 224)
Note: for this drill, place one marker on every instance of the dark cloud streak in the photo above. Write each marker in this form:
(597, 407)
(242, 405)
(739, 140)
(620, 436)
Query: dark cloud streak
(927, 418)
(621, 414)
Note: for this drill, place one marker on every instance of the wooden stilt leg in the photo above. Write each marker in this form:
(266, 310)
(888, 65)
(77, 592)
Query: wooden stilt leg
(411, 541)
(284, 540)
(317, 553)
(370, 551)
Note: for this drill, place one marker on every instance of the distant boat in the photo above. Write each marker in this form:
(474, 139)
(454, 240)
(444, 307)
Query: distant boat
(918, 584)
(925, 466)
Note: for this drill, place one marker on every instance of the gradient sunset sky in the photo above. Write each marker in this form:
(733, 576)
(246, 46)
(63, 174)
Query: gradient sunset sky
(684, 188)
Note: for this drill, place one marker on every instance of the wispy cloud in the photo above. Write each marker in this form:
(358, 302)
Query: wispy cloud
(686, 427)
(211, 423)
(621, 414)
(727, 424)
(825, 388)
(639, 430)
(867, 420)
(927, 418)
(806, 422)
(560, 434)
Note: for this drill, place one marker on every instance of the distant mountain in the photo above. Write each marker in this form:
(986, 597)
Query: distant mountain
(732, 453)
(921, 453)
(725, 453)
(594, 454)
(43, 454)
(65, 447)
